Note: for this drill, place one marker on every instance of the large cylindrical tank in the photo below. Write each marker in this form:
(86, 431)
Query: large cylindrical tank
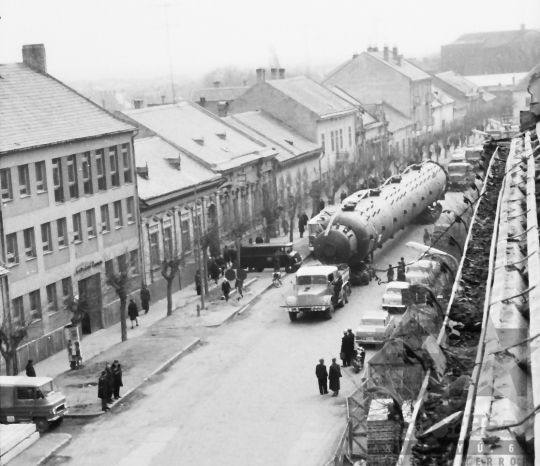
(369, 217)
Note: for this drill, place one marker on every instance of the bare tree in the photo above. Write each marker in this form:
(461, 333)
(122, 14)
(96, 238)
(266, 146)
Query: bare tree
(170, 267)
(294, 200)
(120, 281)
(271, 215)
(237, 232)
(11, 335)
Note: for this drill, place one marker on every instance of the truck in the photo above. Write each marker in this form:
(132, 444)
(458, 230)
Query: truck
(317, 224)
(314, 290)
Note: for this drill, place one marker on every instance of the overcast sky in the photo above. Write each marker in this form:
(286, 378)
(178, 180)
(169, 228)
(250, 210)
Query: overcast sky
(90, 39)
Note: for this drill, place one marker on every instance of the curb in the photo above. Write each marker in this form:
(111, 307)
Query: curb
(127, 394)
(55, 450)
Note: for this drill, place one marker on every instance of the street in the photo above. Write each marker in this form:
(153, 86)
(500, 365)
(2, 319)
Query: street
(248, 396)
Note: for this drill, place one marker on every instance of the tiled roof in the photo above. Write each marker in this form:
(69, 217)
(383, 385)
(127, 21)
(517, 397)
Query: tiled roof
(219, 94)
(458, 82)
(273, 133)
(408, 69)
(492, 80)
(36, 110)
(492, 39)
(524, 82)
(162, 177)
(312, 95)
(200, 133)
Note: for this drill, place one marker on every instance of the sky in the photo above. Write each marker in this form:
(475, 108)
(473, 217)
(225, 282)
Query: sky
(122, 39)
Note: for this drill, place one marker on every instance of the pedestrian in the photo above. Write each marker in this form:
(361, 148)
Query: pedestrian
(390, 273)
(343, 351)
(285, 226)
(221, 264)
(350, 346)
(30, 371)
(110, 382)
(301, 227)
(338, 286)
(226, 289)
(401, 271)
(239, 284)
(102, 390)
(334, 376)
(145, 298)
(362, 356)
(198, 282)
(133, 312)
(427, 237)
(343, 196)
(305, 219)
(232, 254)
(117, 379)
(276, 261)
(227, 256)
(215, 271)
(322, 375)
(321, 205)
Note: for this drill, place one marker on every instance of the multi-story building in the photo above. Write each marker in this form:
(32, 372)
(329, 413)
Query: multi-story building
(373, 77)
(69, 203)
(526, 91)
(311, 110)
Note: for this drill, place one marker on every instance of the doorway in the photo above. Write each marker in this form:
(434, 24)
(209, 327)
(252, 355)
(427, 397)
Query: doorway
(90, 303)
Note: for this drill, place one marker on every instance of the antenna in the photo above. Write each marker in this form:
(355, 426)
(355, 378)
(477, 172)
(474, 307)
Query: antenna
(166, 7)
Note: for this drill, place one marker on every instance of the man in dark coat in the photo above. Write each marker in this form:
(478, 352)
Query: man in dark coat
(390, 273)
(285, 226)
(343, 351)
(401, 271)
(305, 219)
(321, 205)
(343, 196)
(301, 227)
(338, 286)
(215, 271)
(226, 288)
(30, 371)
(110, 382)
(322, 375)
(334, 376)
(102, 391)
(350, 347)
(117, 378)
(133, 312)
(145, 298)
(198, 287)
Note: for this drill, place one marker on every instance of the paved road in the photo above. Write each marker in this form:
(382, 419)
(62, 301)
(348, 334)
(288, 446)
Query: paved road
(247, 397)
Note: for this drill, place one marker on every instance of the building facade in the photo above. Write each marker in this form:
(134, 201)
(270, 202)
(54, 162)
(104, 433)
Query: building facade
(69, 204)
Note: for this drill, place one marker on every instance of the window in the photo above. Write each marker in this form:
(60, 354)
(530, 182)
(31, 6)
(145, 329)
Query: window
(5, 184)
(340, 139)
(332, 140)
(109, 268)
(105, 221)
(24, 181)
(52, 299)
(167, 243)
(77, 230)
(18, 308)
(73, 181)
(61, 228)
(57, 181)
(100, 170)
(25, 393)
(186, 238)
(35, 305)
(46, 239)
(350, 136)
(41, 177)
(118, 220)
(322, 141)
(154, 250)
(12, 249)
(113, 159)
(122, 263)
(87, 174)
(67, 288)
(134, 262)
(130, 210)
(91, 223)
(29, 243)
(126, 159)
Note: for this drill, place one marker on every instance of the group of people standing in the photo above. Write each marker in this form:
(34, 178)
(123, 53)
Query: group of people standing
(332, 375)
(109, 384)
(347, 347)
(401, 277)
(133, 309)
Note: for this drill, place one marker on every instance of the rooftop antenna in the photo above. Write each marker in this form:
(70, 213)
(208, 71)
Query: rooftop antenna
(166, 7)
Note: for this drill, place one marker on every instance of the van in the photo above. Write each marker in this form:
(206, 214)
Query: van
(31, 399)
(261, 256)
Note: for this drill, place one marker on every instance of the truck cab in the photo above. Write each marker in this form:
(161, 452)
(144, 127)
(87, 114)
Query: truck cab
(314, 290)
(31, 399)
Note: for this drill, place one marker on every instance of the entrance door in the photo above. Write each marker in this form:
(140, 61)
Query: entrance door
(90, 301)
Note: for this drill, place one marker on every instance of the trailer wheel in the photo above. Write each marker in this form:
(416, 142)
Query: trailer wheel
(293, 316)
(329, 313)
(42, 425)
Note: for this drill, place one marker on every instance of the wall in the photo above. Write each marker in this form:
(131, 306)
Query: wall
(325, 127)
(443, 113)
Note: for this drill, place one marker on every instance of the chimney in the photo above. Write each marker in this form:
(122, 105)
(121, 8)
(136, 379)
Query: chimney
(399, 59)
(34, 57)
(259, 72)
(223, 109)
(354, 55)
(282, 73)
(273, 73)
(375, 48)
(137, 103)
(216, 84)
(202, 102)
(162, 100)
(395, 52)
(522, 27)
(513, 80)
(385, 52)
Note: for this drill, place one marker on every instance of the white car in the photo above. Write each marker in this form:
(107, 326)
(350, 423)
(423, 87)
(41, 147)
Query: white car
(375, 327)
(393, 296)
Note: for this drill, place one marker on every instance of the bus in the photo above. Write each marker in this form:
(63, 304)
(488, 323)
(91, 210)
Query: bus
(317, 224)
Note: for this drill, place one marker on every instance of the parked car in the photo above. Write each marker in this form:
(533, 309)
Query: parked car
(460, 175)
(314, 290)
(396, 296)
(31, 399)
(375, 327)
(459, 155)
(261, 256)
(473, 153)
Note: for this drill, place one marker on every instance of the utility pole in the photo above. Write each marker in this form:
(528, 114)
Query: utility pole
(196, 230)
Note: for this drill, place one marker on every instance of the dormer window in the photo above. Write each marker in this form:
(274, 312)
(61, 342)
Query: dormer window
(222, 134)
(199, 140)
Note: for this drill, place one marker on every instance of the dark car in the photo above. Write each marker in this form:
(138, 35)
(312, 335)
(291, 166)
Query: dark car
(261, 256)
